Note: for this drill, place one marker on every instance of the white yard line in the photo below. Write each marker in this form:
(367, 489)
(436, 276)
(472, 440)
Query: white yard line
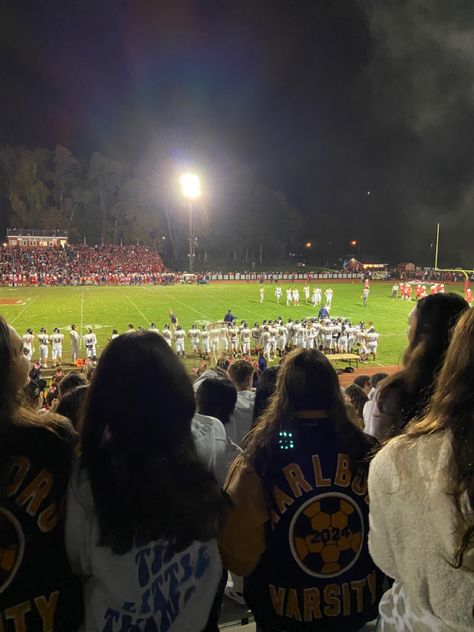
(206, 317)
(147, 320)
(24, 309)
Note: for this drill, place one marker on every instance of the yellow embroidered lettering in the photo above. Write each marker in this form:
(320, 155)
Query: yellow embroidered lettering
(343, 472)
(331, 599)
(318, 475)
(278, 599)
(36, 492)
(17, 615)
(47, 609)
(312, 604)
(292, 606)
(296, 480)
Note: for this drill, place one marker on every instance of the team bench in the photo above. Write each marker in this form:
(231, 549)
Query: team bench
(344, 357)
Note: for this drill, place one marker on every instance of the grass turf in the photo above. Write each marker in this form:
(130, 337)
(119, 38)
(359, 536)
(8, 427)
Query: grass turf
(106, 308)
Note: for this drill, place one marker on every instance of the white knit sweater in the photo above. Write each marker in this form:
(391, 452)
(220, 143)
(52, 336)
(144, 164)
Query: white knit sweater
(415, 529)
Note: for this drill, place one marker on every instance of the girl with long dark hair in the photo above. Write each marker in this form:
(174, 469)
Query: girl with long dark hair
(421, 487)
(143, 511)
(37, 588)
(299, 522)
(405, 395)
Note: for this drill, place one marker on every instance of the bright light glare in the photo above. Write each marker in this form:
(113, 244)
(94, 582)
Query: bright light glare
(353, 242)
(190, 185)
(308, 244)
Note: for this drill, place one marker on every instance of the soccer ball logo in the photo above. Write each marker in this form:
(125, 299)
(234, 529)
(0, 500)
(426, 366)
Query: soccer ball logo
(11, 549)
(326, 535)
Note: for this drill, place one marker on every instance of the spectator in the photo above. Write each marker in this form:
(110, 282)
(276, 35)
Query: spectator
(241, 372)
(71, 402)
(375, 379)
(358, 399)
(287, 489)
(35, 459)
(363, 381)
(71, 380)
(421, 488)
(142, 509)
(262, 362)
(33, 393)
(404, 395)
(265, 389)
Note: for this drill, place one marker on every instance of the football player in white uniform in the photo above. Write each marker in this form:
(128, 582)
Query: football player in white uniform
(278, 293)
(328, 294)
(306, 293)
(167, 335)
(43, 347)
(193, 334)
(28, 338)
(90, 343)
(74, 336)
(179, 336)
(57, 346)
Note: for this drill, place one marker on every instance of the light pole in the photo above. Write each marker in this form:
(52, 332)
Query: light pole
(191, 190)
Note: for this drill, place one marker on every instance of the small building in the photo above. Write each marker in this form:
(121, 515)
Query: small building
(31, 237)
(406, 268)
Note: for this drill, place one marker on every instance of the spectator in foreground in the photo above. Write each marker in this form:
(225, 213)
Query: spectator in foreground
(35, 460)
(405, 395)
(241, 373)
(421, 488)
(299, 522)
(142, 510)
(71, 380)
(216, 397)
(375, 379)
(265, 389)
(363, 381)
(71, 403)
(358, 399)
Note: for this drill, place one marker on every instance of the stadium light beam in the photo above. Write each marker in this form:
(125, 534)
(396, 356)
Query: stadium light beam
(191, 190)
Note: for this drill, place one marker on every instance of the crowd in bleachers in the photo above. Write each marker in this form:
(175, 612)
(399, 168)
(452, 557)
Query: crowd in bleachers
(171, 488)
(80, 265)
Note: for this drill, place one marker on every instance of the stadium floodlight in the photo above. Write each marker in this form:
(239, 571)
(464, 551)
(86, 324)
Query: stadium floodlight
(190, 186)
(191, 190)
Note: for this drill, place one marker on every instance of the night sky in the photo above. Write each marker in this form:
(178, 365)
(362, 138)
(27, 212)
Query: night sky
(325, 101)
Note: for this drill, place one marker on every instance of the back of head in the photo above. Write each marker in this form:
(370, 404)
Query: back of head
(362, 381)
(357, 397)
(71, 403)
(72, 380)
(138, 449)
(240, 373)
(306, 382)
(265, 389)
(430, 331)
(376, 378)
(435, 316)
(216, 397)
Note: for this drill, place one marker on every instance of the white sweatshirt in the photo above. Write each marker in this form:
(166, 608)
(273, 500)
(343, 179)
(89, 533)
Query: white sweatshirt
(143, 589)
(216, 450)
(415, 529)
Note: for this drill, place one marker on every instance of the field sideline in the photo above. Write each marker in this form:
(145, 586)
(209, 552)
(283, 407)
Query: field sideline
(107, 308)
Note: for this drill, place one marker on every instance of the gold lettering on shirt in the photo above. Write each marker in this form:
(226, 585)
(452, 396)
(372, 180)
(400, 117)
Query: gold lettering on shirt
(296, 480)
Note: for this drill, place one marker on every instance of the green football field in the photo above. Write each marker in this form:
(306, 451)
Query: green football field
(106, 308)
